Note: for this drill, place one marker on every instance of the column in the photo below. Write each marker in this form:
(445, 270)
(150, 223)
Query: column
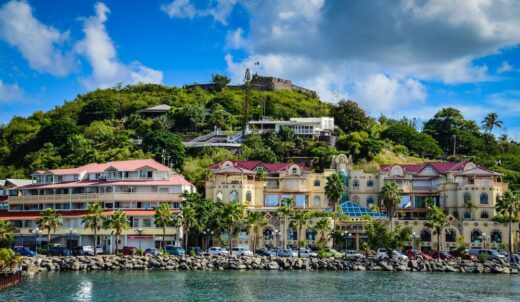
(357, 241)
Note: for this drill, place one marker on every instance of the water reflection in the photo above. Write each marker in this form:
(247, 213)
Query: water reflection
(84, 292)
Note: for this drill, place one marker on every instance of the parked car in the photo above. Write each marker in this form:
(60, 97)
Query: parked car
(353, 254)
(127, 250)
(382, 253)
(175, 250)
(265, 253)
(218, 251)
(59, 251)
(23, 251)
(287, 253)
(152, 252)
(503, 253)
(241, 251)
(195, 250)
(465, 255)
(442, 255)
(306, 253)
(491, 253)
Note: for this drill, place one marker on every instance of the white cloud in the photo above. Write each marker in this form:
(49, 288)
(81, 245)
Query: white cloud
(235, 39)
(9, 92)
(505, 67)
(98, 49)
(219, 10)
(37, 42)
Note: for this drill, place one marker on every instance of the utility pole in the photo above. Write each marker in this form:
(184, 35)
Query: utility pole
(247, 80)
(454, 145)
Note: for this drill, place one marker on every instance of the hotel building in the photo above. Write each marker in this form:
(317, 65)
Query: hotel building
(134, 186)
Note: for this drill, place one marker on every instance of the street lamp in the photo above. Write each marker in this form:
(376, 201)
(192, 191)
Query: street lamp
(484, 240)
(276, 234)
(414, 238)
(139, 233)
(37, 233)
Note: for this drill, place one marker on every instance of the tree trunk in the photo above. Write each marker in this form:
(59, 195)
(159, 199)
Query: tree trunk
(163, 235)
(117, 243)
(48, 241)
(299, 236)
(285, 231)
(510, 235)
(438, 245)
(186, 237)
(95, 238)
(230, 238)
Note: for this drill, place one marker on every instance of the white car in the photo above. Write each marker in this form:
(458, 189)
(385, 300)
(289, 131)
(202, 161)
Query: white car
(306, 253)
(353, 254)
(241, 251)
(383, 254)
(219, 251)
(287, 253)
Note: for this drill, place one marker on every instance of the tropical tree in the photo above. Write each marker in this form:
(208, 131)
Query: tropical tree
(334, 189)
(299, 220)
(234, 214)
(322, 227)
(188, 222)
(284, 210)
(256, 222)
(49, 221)
(94, 220)
(491, 121)
(163, 218)
(509, 204)
(470, 206)
(391, 196)
(6, 233)
(118, 222)
(8, 259)
(438, 221)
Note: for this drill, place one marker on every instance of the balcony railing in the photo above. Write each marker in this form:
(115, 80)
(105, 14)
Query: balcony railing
(93, 197)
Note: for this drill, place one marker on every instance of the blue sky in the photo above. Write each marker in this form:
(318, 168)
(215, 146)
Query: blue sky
(408, 57)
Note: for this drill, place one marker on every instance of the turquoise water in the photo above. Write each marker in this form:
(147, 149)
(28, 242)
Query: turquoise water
(265, 286)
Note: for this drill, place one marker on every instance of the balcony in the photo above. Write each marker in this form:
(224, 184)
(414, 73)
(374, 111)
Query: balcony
(94, 197)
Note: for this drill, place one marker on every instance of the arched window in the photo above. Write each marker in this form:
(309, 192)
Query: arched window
(476, 236)
(317, 201)
(484, 215)
(467, 197)
(268, 234)
(295, 170)
(426, 235)
(310, 234)
(496, 236)
(355, 199)
(317, 183)
(219, 196)
(451, 235)
(249, 197)
(370, 183)
(370, 201)
(233, 196)
(355, 184)
(484, 198)
(467, 215)
(292, 234)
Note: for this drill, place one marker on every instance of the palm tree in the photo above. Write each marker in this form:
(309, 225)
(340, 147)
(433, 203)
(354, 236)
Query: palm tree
(322, 226)
(299, 220)
(256, 222)
(118, 222)
(391, 196)
(509, 204)
(6, 233)
(49, 221)
(234, 213)
(163, 218)
(438, 222)
(94, 220)
(334, 190)
(284, 210)
(490, 121)
(188, 218)
(470, 206)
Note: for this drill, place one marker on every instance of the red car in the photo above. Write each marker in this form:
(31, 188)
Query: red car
(127, 250)
(466, 256)
(442, 256)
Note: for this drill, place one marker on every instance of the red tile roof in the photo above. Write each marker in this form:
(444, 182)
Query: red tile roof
(440, 167)
(252, 164)
(124, 165)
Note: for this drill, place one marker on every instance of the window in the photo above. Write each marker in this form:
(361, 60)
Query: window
(370, 183)
(249, 197)
(147, 223)
(233, 196)
(428, 170)
(484, 215)
(496, 236)
(292, 234)
(300, 200)
(219, 196)
(268, 234)
(451, 235)
(271, 200)
(484, 199)
(467, 197)
(370, 201)
(355, 184)
(310, 234)
(294, 170)
(476, 236)
(317, 201)
(317, 183)
(426, 235)
(467, 215)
